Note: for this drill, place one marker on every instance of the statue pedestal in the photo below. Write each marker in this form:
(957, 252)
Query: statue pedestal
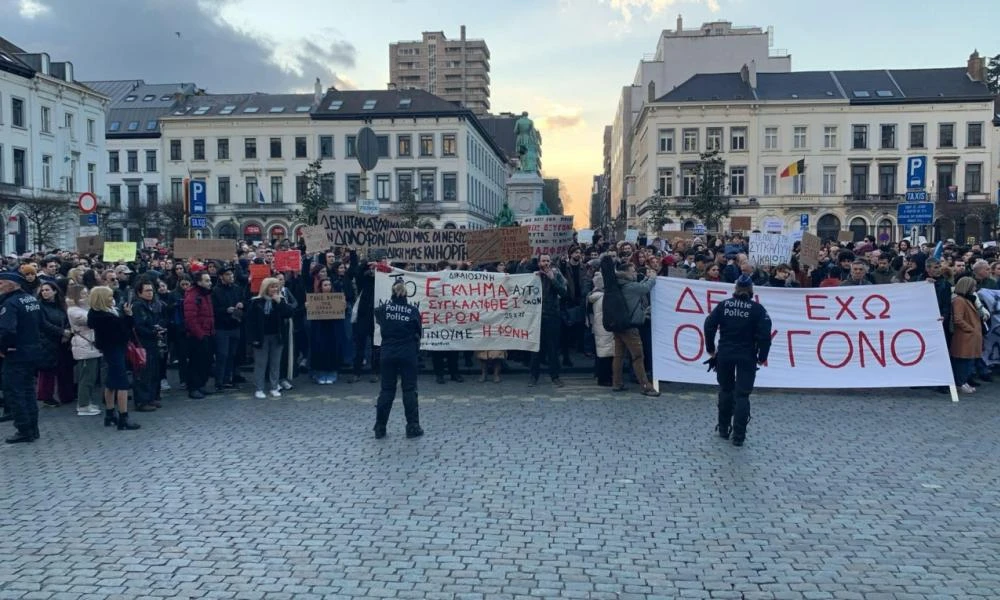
(524, 193)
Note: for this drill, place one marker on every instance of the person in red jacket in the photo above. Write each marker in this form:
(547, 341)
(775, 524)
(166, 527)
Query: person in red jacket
(199, 324)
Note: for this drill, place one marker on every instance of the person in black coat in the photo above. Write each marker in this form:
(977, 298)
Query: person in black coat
(56, 366)
(112, 328)
(363, 323)
(399, 322)
(20, 316)
(150, 327)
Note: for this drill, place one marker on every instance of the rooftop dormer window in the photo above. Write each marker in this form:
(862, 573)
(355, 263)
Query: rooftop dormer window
(149, 97)
(130, 98)
(336, 104)
(369, 105)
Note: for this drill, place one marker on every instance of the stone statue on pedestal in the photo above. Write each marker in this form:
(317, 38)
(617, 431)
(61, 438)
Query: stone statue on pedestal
(529, 145)
(506, 217)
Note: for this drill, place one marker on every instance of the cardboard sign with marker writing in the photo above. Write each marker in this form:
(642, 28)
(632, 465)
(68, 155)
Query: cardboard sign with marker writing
(484, 245)
(402, 244)
(845, 236)
(90, 244)
(204, 249)
(325, 307)
(119, 251)
(315, 238)
(809, 250)
(550, 234)
(516, 243)
(739, 224)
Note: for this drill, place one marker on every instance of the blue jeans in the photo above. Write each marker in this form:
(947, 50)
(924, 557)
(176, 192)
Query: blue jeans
(963, 369)
(227, 343)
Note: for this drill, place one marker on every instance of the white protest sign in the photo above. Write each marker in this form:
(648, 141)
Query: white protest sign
(770, 249)
(773, 225)
(549, 234)
(470, 310)
(991, 341)
(851, 337)
(368, 206)
(631, 235)
(585, 236)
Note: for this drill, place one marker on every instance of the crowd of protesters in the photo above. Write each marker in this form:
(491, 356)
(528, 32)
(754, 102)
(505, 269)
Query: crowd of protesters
(201, 317)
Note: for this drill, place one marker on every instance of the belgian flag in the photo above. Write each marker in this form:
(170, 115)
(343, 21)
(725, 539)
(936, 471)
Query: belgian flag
(796, 168)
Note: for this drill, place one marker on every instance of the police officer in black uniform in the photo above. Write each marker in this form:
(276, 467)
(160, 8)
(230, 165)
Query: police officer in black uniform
(400, 325)
(20, 318)
(744, 341)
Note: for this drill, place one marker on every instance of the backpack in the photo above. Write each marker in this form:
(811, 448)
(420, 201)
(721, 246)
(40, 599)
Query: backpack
(615, 317)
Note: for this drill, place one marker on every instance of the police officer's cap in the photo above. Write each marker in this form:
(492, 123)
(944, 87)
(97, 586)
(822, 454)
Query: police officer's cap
(12, 276)
(745, 282)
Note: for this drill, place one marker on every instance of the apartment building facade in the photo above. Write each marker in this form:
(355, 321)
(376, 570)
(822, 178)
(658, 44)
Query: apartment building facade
(455, 70)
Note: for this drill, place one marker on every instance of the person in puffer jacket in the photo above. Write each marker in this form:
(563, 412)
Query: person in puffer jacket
(199, 324)
(87, 371)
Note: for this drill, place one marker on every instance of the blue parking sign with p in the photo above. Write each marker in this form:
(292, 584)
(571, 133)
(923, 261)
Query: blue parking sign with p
(916, 172)
(199, 197)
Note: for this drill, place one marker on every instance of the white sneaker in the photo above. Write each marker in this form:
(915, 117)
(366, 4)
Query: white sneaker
(165, 385)
(276, 393)
(967, 389)
(259, 395)
(285, 384)
(88, 411)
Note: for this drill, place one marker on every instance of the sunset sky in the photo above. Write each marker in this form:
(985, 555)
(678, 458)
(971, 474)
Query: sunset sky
(564, 61)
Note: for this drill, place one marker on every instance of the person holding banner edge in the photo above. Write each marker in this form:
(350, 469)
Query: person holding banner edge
(744, 329)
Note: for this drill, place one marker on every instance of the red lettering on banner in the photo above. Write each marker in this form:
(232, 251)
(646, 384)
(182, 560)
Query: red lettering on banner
(810, 307)
(701, 342)
(711, 301)
(878, 355)
(688, 294)
(429, 286)
(791, 346)
(819, 349)
(845, 307)
(885, 307)
(895, 355)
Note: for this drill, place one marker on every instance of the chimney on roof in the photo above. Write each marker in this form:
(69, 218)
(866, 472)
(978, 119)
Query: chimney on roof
(680, 23)
(976, 67)
(463, 32)
(651, 91)
(317, 92)
(749, 74)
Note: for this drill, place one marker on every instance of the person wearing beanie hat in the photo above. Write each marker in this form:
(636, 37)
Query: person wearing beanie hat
(20, 321)
(744, 329)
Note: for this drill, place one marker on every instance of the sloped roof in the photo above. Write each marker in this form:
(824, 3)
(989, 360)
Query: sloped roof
(350, 104)
(10, 62)
(710, 87)
(501, 129)
(931, 84)
(804, 85)
(241, 105)
(135, 105)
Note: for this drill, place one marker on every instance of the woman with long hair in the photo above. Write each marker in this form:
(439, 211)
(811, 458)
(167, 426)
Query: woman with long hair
(87, 370)
(967, 334)
(149, 328)
(324, 346)
(56, 364)
(112, 327)
(266, 329)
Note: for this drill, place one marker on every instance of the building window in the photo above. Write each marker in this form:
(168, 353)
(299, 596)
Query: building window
(224, 190)
(383, 184)
(974, 135)
(382, 141)
(690, 137)
(68, 122)
(770, 181)
(887, 180)
(449, 145)
(133, 196)
(665, 182)
(666, 140)
(404, 185)
(251, 188)
(799, 138)
(738, 139)
(771, 138)
(713, 139)
(859, 181)
(738, 181)
(403, 146)
(301, 188)
(352, 146)
(46, 125)
(250, 149)
(150, 161)
(829, 181)
(830, 137)
(176, 190)
(917, 135)
(326, 146)
(115, 196)
(276, 147)
(132, 161)
(113, 163)
(888, 137)
(353, 188)
(17, 112)
(449, 187)
(428, 193)
(90, 131)
(973, 178)
(859, 137)
(199, 149)
(689, 182)
(152, 196)
(328, 187)
(277, 189)
(46, 172)
(799, 184)
(946, 135)
(222, 148)
(91, 177)
(175, 150)
(300, 147)
(427, 145)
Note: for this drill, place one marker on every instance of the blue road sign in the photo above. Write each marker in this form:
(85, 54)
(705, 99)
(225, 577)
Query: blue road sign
(916, 196)
(915, 213)
(199, 222)
(804, 221)
(199, 197)
(916, 172)
(699, 229)
(92, 219)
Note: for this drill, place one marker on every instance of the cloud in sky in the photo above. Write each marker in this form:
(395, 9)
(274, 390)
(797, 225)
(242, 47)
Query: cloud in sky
(650, 9)
(140, 42)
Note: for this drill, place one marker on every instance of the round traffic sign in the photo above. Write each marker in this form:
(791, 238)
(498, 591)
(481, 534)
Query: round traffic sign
(367, 148)
(87, 202)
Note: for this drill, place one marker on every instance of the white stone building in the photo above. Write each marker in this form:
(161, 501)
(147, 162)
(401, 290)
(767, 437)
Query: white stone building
(252, 149)
(51, 146)
(854, 131)
(716, 47)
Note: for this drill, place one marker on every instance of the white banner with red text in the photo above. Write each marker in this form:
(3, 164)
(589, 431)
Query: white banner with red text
(844, 337)
(470, 310)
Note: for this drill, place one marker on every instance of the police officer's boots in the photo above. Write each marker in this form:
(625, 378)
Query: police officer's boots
(23, 436)
(740, 432)
(413, 430)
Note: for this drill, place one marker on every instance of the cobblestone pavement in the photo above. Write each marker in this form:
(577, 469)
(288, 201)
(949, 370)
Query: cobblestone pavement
(514, 492)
